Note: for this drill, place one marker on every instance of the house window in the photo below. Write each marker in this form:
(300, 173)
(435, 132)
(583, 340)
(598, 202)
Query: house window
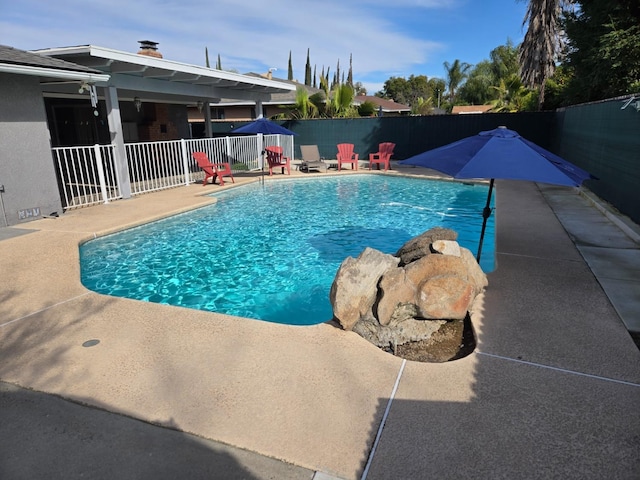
(217, 113)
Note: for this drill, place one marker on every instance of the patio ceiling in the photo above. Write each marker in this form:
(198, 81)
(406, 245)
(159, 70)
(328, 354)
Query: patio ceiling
(162, 80)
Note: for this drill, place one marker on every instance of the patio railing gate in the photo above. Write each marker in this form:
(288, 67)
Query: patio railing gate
(87, 175)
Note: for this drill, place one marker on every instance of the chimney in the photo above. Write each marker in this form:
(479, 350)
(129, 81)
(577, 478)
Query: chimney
(149, 48)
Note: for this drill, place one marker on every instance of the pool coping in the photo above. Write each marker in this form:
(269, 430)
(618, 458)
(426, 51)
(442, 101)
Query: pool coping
(315, 396)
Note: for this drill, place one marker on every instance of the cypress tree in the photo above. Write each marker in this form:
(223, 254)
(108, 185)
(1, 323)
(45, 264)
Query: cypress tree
(307, 71)
(290, 74)
(206, 55)
(219, 64)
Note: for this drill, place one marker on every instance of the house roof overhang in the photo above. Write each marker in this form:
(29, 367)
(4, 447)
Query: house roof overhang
(162, 80)
(21, 62)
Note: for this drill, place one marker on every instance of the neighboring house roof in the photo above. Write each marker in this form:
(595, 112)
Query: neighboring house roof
(13, 60)
(462, 109)
(285, 98)
(388, 106)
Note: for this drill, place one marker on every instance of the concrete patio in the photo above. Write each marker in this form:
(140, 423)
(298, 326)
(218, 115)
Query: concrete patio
(551, 391)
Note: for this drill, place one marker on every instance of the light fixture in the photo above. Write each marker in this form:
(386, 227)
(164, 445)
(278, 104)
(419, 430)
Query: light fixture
(138, 103)
(200, 105)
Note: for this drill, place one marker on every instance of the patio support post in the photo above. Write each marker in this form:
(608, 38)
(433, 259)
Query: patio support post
(259, 110)
(185, 160)
(117, 140)
(208, 131)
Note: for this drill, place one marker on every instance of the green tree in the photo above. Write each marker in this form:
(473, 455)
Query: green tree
(477, 89)
(307, 71)
(456, 73)
(219, 64)
(422, 106)
(407, 91)
(603, 50)
(340, 103)
(360, 89)
(512, 96)
(350, 74)
(438, 87)
(206, 57)
(367, 109)
(541, 45)
(504, 60)
(290, 70)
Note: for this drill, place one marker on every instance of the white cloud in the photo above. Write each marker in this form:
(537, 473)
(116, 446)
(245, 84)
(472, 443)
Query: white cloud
(384, 39)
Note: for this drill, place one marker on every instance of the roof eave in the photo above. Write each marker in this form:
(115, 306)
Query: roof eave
(53, 73)
(164, 64)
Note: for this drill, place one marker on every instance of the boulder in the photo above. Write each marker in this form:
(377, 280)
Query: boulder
(355, 286)
(475, 273)
(447, 297)
(397, 332)
(446, 247)
(420, 246)
(395, 288)
(393, 300)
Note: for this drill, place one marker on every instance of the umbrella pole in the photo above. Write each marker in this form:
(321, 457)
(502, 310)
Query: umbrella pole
(486, 213)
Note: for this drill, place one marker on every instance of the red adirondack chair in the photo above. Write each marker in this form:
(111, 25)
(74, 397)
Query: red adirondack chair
(347, 155)
(276, 159)
(383, 156)
(213, 170)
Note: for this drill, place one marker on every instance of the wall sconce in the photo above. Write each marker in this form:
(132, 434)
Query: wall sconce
(138, 103)
(200, 105)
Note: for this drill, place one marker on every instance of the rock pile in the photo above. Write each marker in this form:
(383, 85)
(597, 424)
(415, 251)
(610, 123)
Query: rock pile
(394, 299)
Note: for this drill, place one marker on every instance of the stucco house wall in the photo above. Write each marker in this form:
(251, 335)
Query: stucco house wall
(26, 165)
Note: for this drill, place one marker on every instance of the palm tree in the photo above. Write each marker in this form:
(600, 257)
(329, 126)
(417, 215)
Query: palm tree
(542, 42)
(456, 73)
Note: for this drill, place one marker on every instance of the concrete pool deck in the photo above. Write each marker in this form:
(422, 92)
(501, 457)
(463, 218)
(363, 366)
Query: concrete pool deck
(551, 391)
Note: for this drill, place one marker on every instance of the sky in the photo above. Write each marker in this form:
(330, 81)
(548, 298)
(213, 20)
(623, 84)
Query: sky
(392, 38)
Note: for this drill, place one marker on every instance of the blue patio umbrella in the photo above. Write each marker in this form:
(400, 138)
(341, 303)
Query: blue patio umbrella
(500, 153)
(265, 127)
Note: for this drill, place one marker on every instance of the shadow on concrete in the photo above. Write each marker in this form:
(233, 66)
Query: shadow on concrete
(44, 436)
(555, 383)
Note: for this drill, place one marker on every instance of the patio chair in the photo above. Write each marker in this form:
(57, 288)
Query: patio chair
(213, 170)
(382, 156)
(347, 155)
(311, 159)
(276, 159)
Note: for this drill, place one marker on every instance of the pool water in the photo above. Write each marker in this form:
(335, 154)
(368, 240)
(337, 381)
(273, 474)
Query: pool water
(271, 251)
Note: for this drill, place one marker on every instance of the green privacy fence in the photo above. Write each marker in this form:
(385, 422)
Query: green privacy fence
(605, 141)
(411, 135)
(600, 138)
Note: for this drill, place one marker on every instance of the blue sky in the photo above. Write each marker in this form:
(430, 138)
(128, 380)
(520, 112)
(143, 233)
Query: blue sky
(386, 38)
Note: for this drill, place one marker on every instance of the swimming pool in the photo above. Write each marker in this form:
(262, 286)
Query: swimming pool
(271, 251)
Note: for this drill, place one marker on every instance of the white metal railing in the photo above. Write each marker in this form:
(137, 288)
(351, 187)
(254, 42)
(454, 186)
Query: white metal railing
(88, 175)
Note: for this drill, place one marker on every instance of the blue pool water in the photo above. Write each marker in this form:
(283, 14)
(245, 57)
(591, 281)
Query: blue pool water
(271, 251)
